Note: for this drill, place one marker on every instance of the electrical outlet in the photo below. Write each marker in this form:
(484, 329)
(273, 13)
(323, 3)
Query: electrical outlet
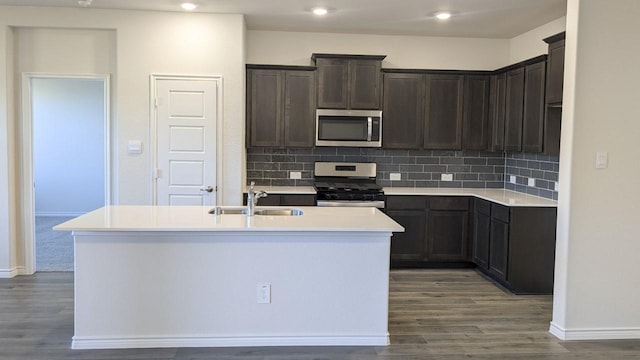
(512, 179)
(532, 182)
(395, 176)
(263, 293)
(555, 186)
(296, 175)
(446, 177)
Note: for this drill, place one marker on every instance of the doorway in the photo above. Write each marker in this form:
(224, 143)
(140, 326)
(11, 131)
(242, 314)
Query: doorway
(66, 161)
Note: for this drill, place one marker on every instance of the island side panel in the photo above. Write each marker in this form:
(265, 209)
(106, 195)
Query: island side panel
(154, 289)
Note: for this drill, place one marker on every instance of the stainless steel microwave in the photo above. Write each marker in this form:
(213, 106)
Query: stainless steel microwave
(353, 128)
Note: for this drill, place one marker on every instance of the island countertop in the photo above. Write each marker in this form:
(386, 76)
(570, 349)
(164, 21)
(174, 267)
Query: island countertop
(197, 218)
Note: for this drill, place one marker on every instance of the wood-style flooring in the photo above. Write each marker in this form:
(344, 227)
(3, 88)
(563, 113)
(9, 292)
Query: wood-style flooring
(433, 314)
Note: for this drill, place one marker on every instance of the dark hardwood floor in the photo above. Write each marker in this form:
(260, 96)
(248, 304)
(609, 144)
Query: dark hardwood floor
(433, 314)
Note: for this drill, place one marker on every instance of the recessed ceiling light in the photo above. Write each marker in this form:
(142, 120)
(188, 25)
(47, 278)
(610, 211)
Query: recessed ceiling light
(320, 11)
(84, 3)
(443, 15)
(188, 6)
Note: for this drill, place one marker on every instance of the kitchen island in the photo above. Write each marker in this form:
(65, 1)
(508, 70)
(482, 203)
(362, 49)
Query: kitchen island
(161, 276)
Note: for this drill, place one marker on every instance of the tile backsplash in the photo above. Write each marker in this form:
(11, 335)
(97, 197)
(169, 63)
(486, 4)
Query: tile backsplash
(418, 168)
(542, 168)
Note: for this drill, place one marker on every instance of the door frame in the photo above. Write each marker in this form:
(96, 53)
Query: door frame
(153, 136)
(28, 187)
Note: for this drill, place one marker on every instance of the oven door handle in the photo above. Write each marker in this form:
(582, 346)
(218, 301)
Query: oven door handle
(349, 203)
(369, 128)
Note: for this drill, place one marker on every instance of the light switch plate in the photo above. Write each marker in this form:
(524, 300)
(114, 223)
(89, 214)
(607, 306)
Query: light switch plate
(555, 186)
(531, 182)
(512, 179)
(296, 175)
(602, 160)
(395, 176)
(263, 293)
(134, 147)
(446, 177)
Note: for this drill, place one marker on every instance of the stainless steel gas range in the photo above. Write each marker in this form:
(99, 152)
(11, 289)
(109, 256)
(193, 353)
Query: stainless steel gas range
(347, 185)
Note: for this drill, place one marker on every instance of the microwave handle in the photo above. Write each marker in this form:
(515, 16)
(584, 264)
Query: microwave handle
(369, 128)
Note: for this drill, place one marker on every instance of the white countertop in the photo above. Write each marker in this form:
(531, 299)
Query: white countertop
(197, 218)
(500, 196)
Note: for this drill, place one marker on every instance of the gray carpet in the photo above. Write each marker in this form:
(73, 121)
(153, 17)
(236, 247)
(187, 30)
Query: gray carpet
(54, 249)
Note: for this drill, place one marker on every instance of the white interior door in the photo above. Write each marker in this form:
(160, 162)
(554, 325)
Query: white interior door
(186, 141)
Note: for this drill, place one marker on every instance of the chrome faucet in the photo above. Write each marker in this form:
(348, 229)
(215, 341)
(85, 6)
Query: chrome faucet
(252, 199)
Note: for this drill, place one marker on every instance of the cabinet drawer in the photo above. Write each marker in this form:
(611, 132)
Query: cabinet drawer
(449, 203)
(406, 202)
(483, 207)
(298, 200)
(500, 212)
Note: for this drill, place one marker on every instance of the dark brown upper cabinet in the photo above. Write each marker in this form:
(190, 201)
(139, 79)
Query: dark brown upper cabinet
(524, 105)
(555, 69)
(497, 109)
(348, 81)
(555, 78)
(533, 112)
(443, 123)
(514, 104)
(280, 106)
(403, 111)
(476, 131)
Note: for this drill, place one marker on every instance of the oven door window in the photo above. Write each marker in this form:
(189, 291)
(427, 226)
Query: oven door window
(337, 128)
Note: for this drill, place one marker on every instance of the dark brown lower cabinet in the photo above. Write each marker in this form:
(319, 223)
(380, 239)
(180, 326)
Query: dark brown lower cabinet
(408, 245)
(436, 230)
(520, 253)
(481, 231)
(285, 200)
(447, 229)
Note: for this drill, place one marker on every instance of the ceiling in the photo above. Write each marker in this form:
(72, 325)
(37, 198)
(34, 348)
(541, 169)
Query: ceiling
(472, 18)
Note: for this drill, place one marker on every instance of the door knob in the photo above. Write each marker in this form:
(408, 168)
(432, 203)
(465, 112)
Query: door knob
(208, 189)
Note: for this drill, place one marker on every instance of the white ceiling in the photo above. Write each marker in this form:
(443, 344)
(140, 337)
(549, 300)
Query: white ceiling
(473, 18)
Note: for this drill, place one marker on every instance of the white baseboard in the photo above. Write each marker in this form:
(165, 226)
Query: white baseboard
(13, 272)
(162, 342)
(594, 334)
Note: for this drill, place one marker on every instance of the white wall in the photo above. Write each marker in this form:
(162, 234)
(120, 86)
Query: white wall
(596, 286)
(530, 44)
(68, 146)
(145, 43)
(293, 48)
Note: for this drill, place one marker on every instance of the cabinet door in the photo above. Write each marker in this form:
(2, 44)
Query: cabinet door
(476, 112)
(364, 84)
(298, 200)
(443, 125)
(299, 108)
(555, 75)
(497, 110)
(403, 111)
(552, 130)
(499, 248)
(266, 108)
(447, 235)
(333, 75)
(514, 103)
(533, 113)
(409, 245)
(481, 233)
(270, 200)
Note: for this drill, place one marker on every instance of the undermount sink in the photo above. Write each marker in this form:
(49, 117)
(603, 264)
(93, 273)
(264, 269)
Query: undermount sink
(279, 212)
(220, 210)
